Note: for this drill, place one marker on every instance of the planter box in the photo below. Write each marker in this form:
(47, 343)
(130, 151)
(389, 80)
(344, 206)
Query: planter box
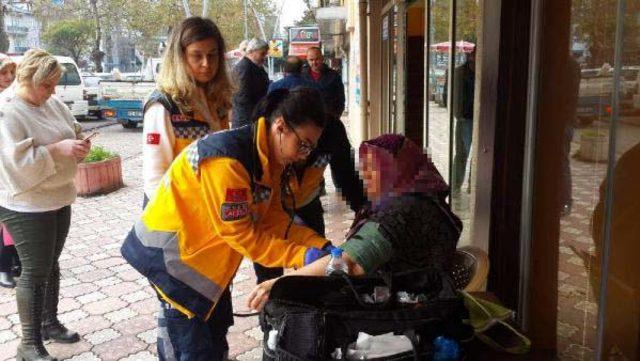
(99, 177)
(594, 148)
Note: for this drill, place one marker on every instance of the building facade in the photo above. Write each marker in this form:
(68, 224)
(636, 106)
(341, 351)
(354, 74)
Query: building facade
(21, 27)
(531, 110)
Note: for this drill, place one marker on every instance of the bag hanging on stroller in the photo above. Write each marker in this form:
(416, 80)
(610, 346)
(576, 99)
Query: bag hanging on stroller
(317, 318)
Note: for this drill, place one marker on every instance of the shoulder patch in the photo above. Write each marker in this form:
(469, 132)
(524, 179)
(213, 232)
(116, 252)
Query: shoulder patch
(153, 138)
(236, 195)
(234, 211)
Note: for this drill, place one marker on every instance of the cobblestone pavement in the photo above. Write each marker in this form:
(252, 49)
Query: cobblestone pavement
(103, 298)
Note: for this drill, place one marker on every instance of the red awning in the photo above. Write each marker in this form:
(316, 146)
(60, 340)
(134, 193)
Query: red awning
(463, 46)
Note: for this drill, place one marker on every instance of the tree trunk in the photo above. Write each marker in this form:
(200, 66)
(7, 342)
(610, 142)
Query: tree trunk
(4, 39)
(96, 54)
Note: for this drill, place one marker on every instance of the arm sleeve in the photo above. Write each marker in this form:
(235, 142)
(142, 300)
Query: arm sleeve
(278, 221)
(368, 247)
(24, 164)
(343, 172)
(157, 149)
(233, 221)
(340, 96)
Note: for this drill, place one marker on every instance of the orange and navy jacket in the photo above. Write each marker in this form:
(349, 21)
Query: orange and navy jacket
(189, 126)
(333, 150)
(213, 207)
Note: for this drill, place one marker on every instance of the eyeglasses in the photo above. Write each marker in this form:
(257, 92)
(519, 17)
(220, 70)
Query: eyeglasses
(304, 148)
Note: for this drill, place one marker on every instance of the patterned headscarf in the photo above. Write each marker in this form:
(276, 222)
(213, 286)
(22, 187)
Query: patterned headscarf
(403, 167)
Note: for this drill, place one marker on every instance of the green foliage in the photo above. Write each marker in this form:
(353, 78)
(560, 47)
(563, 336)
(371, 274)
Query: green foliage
(69, 37)
(309, 17)
(595, 23)
(98, 154)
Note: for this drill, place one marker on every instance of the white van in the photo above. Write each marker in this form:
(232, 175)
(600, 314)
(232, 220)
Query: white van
(70, 88)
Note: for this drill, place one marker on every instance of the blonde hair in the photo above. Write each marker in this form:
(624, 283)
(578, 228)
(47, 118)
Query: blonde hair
(36, 67)
(174, 78)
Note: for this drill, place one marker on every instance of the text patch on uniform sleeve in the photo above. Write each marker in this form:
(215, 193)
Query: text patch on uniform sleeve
(234, 211)
(153, 138)
(236, 195)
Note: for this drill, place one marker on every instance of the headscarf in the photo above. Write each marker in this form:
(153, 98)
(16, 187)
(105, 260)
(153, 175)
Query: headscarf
(403, 169)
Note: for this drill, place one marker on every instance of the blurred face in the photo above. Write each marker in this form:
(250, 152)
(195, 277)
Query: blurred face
(315, 60)
(371, 177)
(7, 74)
(202, 60)
(293, 144)
(258, 56)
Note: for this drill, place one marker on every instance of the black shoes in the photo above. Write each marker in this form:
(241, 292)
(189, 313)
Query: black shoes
(57, 332)
(33, 353)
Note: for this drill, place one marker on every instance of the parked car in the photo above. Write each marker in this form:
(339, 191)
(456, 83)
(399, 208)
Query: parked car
(70, 88)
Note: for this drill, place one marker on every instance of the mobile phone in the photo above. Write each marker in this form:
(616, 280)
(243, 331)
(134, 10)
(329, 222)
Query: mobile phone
(88, 137)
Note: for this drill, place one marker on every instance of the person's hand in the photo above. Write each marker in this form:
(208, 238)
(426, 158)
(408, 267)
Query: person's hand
(313, 254)
(77, 149)
(328, 247)
(260, 295)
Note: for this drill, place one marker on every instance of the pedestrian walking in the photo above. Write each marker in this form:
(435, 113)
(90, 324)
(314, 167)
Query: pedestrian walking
(41, 146)
(252, 82)
(463, 98)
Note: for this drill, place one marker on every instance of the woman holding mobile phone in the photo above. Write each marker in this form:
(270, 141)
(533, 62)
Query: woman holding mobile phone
(41, 147)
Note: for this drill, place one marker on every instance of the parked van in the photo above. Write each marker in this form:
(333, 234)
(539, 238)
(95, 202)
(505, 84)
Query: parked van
(70, 88)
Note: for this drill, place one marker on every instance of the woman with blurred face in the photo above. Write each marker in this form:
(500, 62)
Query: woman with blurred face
(408, 224)
(41, 147)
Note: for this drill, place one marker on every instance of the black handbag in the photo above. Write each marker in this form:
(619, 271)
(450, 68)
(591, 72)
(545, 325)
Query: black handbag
(314, 316)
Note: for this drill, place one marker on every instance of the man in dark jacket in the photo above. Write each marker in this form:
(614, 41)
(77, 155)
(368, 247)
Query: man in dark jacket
(465, 80)
(293, 76)
(328, 80)
(252, 81)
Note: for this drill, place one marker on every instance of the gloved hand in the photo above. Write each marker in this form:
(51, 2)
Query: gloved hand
(313, 254)
(328, 247)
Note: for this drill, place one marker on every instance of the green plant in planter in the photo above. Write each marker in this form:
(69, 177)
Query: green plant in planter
(98, 154)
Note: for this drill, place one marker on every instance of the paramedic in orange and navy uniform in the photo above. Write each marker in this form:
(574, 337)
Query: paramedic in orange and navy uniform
(216, 205)
(192, 99)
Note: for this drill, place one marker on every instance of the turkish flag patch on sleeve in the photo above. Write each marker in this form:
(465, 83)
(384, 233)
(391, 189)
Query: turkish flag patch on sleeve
(153, 138)
(236, 195)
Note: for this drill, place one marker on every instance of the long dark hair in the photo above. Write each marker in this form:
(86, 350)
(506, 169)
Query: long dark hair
(298, 107)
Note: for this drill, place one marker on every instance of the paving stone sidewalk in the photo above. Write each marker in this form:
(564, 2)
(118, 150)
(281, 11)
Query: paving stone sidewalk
(109, 303)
